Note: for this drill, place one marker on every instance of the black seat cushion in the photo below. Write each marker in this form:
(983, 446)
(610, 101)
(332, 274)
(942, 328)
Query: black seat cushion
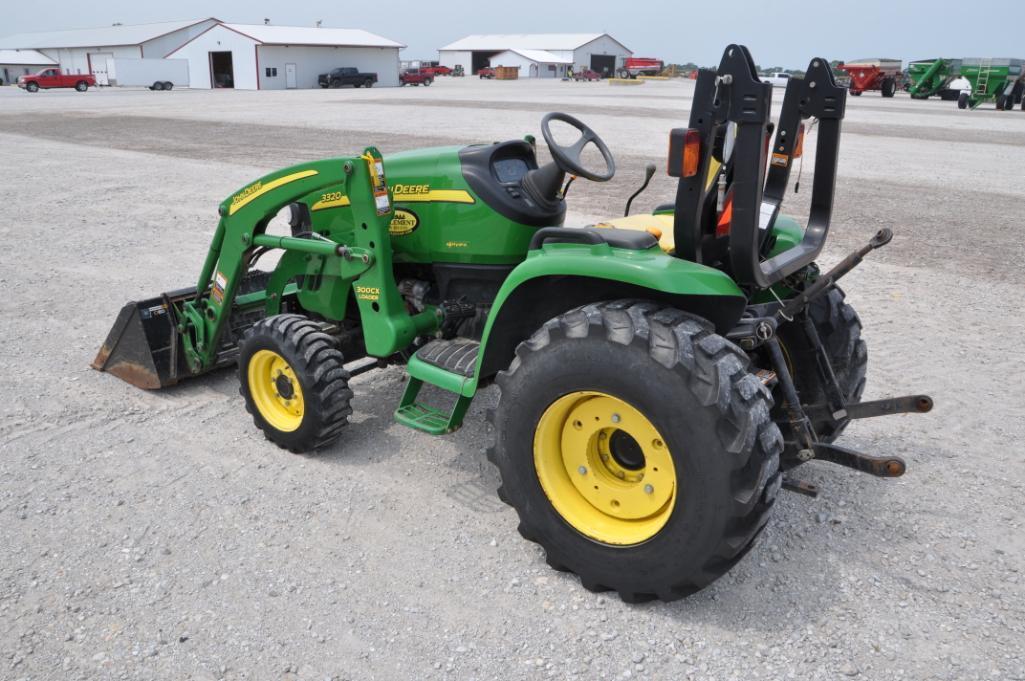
(617, 238)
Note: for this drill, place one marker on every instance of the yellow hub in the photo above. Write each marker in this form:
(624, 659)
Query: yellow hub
(275, 390)
(605, 468)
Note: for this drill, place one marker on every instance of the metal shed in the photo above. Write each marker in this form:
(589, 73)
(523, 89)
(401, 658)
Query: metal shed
(597, 51)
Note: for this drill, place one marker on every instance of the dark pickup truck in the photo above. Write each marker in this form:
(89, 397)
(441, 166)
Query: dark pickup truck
(347, 76)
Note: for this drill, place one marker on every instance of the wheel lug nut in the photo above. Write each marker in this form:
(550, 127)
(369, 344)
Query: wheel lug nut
(615, 418)
(582, 470)
(648, 489)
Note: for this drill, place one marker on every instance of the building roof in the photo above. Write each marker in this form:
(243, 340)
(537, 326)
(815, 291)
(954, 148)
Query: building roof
(97, 37)
(526, 41)
(306, 35)
(540, 56)
(25, 57)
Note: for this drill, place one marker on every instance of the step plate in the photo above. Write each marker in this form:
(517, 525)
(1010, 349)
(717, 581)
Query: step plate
(458, 355)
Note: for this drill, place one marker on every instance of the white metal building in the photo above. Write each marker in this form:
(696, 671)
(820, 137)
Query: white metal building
(77, 50)
(15, 63)
(533, 63)
(255, 57)
(598, 51)
(220, 54)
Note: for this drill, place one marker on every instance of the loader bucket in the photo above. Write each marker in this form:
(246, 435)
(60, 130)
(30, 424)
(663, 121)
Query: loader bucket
(143, 346)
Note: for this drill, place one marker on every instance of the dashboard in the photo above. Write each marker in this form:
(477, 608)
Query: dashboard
(495, 172)
(509, 169)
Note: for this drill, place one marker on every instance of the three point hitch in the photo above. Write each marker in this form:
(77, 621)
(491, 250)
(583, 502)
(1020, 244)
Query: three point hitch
(758, 329)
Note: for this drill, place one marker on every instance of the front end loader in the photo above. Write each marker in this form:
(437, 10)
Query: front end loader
(659, 375)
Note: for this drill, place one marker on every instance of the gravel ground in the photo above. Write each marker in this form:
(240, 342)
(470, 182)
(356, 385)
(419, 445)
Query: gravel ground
(159, 536)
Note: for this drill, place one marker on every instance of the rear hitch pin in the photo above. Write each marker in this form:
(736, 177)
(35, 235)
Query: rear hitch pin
(782, 305)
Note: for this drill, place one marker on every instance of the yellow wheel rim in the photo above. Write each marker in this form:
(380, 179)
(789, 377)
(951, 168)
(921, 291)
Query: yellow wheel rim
(275, 390)
(605, 468)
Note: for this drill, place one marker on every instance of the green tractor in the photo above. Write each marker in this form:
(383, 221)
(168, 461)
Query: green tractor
(651, 396)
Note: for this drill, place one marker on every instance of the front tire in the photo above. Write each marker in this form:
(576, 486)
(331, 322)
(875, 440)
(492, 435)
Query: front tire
(368, 83)
(32, 87)
(696, 471)
(292, 378)
(888, 87)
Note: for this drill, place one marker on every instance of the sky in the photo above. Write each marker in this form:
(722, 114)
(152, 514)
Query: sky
(785, 33)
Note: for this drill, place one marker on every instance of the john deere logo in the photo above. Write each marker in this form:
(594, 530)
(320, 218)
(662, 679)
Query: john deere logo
(403, 223)
(246, 193)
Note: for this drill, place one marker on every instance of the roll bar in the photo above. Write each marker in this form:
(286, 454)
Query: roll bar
(734, 94)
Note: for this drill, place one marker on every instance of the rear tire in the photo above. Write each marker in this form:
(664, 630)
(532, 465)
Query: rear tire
(839, 329)
(714, 439)
(889, 87)
(81, 86)
(292, 378)
(158, 86)
(962, 100)
(168, 85)
(427, 83)
(368, 83)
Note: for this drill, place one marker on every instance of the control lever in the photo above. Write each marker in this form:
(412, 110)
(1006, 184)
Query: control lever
(649, 172)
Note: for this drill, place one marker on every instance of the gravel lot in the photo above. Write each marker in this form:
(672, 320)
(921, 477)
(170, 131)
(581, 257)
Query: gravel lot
(159, 536)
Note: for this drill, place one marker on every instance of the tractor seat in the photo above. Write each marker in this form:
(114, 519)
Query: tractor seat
(616, 238)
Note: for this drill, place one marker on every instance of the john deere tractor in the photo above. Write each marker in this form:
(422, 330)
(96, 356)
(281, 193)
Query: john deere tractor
(658, 374)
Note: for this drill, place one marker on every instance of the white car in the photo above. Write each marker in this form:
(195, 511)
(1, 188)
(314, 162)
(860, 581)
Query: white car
(777, 79)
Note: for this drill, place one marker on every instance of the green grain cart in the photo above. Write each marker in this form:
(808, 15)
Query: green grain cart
(998, 80)
(931, 77)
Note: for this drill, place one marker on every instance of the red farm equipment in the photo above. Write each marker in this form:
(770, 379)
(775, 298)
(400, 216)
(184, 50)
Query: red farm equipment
(640, 66)
(873, 74)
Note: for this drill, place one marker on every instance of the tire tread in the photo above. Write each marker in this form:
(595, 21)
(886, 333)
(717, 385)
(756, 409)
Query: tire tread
(719, 376)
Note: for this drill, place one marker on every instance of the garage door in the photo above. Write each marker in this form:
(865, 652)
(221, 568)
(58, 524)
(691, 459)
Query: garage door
(480, 60)
(604, 64)
(98, 66)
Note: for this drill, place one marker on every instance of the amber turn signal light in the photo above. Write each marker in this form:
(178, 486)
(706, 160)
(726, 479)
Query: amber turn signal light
(684, 152)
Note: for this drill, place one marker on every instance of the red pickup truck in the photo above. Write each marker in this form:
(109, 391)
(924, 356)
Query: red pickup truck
(53, 78)
(416, 77)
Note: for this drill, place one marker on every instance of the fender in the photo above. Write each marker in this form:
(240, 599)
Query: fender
(560, 276)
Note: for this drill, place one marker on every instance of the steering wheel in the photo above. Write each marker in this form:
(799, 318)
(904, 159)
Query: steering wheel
(568, 157)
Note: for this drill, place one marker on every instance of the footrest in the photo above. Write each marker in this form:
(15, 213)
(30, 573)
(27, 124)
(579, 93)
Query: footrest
(420, 416)
(457, 355)
(446, 364)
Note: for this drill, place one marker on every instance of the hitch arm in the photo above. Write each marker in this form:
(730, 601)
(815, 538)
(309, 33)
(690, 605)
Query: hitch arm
(880, 466)
(801, 300)
(908, 404)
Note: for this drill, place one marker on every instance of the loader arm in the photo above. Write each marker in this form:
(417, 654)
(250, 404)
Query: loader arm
(388, 327)
(157, 342)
